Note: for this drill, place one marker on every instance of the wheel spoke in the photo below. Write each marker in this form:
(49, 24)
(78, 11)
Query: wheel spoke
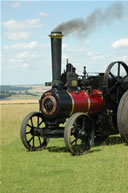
(45, 141)
(118, 73)
(30, 139)
(37, 121)
(39, 140)
(29, 125)
(31, 122)
(28, 132)
(75, 140)
(112, 75)
(33, 141)
(40, 123)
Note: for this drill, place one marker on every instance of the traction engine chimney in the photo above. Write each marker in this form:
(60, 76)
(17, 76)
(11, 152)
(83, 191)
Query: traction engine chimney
(56, 44)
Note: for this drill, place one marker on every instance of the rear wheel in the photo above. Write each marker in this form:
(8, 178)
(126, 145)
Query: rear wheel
(122, 117)
(30, 132)
(79, 134)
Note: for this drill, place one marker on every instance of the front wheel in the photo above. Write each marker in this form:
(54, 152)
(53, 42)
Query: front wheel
(30, 132)
(79, 134)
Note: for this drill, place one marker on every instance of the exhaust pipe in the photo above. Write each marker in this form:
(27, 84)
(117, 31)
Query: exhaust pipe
(56, 45)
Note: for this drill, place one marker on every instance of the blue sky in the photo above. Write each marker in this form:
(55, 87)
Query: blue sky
(25, 45)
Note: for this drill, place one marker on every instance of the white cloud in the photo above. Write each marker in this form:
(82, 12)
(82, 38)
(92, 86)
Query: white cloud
(13, 25)
(89, 53)
(125, 58)
(23, 46)
(23, 59)
(25, 65)
(64, 46)
(120, 43)
(98, 57)
(17, 35)
(43, 14)
(26, 55)
(16, 4)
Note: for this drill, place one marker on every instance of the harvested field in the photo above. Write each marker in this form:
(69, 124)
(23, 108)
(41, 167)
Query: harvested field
(6, 102)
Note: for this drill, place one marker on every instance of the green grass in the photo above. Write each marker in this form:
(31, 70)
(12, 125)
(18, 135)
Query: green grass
(54, 170)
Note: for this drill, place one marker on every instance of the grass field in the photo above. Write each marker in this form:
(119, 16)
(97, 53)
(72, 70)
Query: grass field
(54, 170)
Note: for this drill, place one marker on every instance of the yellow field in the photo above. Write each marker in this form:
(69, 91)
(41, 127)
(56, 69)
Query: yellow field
(5, 102)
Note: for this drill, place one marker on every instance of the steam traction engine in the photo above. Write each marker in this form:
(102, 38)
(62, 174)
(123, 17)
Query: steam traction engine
(82, 109)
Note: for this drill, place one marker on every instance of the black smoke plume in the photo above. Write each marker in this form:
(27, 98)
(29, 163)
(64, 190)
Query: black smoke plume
(97, 18)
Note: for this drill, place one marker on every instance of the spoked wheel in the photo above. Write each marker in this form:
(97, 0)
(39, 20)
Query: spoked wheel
(30, 132)
(113, 77)
(79, 133)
